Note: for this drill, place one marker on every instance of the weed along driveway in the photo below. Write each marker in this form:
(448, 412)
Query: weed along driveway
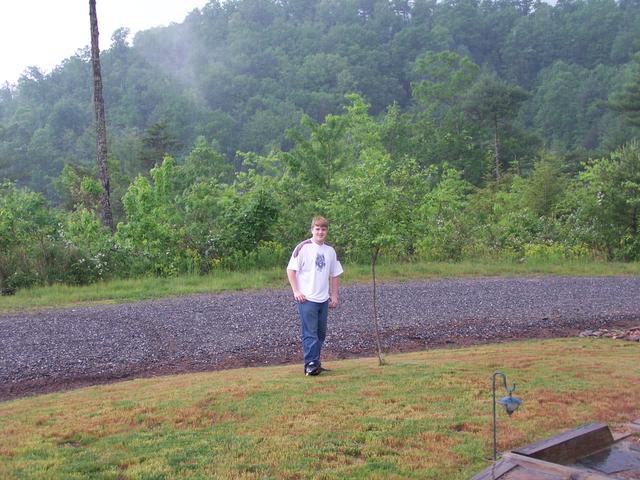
(58, 349)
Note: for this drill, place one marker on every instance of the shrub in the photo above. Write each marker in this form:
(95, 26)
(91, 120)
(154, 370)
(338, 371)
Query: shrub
(267, 254)
(553, 252)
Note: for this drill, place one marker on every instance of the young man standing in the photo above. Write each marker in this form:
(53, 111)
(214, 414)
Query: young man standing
(313, 275)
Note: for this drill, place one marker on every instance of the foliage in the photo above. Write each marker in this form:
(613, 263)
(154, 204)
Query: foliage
(445, 78)
(205, 77)
(445, 132)
(444, 231)
(495, 103)
(554, 252)
(157, 142)
(89, 246)
(371, 206)
(247, 221)
(367, 210)
(627, 101)
(374, 113)
(203, 163)
(545, 186)
(77, 187)
(371, 203)
(320, 158)
(151, 236)
(611, 201)
(27, 242)
(361, 171)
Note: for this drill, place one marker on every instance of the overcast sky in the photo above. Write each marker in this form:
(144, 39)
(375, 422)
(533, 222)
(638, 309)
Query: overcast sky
(43, 33)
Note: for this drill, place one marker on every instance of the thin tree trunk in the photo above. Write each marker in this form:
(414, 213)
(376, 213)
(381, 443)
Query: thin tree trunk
(374, 259)
(496, 145)
(101, 128)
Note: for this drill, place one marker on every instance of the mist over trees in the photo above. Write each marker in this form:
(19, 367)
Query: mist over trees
(502, 128)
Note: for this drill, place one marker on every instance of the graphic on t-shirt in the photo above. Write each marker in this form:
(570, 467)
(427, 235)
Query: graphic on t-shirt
(320, 261)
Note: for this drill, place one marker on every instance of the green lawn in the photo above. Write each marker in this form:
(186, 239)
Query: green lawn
(425, 415)
(152, 287)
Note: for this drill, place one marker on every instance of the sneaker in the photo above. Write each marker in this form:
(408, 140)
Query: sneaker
(312, 369)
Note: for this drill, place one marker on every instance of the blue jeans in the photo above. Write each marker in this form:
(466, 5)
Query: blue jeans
(313, 329)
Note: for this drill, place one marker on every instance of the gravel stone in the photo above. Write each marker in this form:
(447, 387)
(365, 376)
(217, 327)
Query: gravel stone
(64, 348)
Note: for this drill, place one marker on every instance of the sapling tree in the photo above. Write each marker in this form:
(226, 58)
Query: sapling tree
(371, 203)
(371, 213)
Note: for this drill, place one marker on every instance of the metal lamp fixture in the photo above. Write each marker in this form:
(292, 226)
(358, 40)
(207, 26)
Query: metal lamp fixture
(509, 402)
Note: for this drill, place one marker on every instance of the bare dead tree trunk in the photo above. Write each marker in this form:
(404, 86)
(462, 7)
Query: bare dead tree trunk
(374, 259)
(101, 127)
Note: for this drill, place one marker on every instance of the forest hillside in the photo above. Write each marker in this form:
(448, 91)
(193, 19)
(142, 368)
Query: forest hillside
(440, 130)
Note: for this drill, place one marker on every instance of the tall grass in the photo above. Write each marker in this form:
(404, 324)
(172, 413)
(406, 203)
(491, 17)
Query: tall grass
(131, 290)
(425, 415)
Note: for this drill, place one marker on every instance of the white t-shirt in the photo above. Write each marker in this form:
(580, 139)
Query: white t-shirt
(314, 265)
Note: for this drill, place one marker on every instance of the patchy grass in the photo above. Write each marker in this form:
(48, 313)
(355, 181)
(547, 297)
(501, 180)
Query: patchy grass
(131, 290)
(425, 415)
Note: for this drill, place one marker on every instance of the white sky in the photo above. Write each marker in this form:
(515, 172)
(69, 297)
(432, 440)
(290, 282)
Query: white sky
(43, 33)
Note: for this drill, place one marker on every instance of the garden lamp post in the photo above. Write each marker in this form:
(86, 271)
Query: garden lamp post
(510, 403)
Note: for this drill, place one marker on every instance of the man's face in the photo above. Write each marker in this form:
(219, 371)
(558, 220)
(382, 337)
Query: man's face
(319, 234)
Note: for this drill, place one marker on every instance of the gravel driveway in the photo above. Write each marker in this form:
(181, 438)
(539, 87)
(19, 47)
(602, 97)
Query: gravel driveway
(64, 348)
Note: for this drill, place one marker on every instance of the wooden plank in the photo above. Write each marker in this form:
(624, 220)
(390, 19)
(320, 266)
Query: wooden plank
(617, 437)
(569, 446)
(497, 470)
(522, 473)
(562, 471)
(554, 458)
(518, 467)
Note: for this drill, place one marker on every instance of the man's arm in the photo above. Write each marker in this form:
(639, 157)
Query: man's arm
(292, 275)
(335, 286)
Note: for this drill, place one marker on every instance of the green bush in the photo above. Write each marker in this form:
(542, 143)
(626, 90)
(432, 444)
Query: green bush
(267, 254)
(27, 234)
(555, 252)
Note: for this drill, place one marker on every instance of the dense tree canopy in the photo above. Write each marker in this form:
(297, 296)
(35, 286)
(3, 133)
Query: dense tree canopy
(242, 72)
(455, 129)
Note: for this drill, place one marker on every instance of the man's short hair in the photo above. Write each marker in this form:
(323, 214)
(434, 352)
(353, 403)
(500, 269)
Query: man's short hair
(319, 221)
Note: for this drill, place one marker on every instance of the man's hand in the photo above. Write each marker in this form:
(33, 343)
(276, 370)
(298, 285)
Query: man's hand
(333, 301)
(335, 286)
(293, 281)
